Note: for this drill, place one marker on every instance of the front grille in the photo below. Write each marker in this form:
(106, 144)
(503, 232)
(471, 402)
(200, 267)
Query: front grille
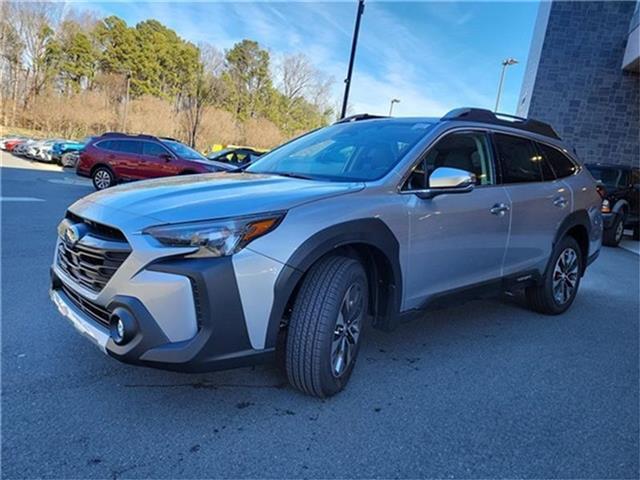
(96, 312)
(93, 260)
(98, 229)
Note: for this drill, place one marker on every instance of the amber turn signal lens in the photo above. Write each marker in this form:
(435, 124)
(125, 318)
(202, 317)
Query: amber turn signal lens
(259, 228)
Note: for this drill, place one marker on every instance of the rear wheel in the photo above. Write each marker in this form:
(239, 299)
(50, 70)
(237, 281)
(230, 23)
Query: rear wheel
(326, 326)
(103, 178)
(612, 236)
(560, 284)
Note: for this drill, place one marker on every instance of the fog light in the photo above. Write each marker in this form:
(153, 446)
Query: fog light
(123, 326)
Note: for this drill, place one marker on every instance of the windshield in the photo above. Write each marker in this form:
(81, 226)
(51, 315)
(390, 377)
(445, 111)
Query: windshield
(183, 151)
(608, 176)
(354, 151)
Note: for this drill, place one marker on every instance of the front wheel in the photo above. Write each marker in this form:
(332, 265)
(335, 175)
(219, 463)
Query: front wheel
(103, 178)
(326, 326)
(560, 283)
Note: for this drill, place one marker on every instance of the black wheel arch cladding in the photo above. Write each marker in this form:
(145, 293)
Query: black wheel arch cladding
(581, 220)
(371, 233)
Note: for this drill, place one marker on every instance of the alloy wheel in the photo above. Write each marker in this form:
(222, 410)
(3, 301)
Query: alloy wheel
(565, 276)
(102, 179)
(347, 330)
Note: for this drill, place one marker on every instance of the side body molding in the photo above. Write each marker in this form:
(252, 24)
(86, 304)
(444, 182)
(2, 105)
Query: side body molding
(371, 234)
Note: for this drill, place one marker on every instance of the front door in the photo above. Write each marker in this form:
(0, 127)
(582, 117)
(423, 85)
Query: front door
(456, 240)
(157, 161)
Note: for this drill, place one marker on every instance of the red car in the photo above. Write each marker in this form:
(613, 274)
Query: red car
(12, 143)
(116, 157)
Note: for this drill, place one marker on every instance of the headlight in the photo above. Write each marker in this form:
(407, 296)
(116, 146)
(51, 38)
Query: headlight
(606, 206)
(216, 238)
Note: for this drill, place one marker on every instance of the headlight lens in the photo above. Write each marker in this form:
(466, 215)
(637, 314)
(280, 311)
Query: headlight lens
(606, 206)
(216, 238)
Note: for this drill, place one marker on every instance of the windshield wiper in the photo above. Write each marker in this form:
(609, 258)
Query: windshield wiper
(291, 175)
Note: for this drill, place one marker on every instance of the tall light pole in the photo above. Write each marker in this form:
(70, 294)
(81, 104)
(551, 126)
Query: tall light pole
(354, 44)
(505, 63)
(393, 100)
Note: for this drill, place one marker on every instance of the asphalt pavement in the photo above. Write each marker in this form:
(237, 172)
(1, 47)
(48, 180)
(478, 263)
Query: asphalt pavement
(483, 389)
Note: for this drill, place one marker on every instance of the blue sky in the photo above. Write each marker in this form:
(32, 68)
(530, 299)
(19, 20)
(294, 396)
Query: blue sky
(433, 56)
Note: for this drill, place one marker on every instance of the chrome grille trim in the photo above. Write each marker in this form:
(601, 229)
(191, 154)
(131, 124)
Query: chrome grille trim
(92, 261)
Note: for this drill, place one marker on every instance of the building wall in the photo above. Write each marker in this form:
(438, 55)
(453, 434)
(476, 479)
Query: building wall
(574, 79)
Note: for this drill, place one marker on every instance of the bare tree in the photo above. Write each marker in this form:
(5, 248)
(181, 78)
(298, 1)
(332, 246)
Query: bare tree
(202, 92)
(297, 76)
(35, 23)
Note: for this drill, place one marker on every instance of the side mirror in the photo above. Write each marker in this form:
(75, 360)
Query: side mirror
(166, 157)
(448, 180)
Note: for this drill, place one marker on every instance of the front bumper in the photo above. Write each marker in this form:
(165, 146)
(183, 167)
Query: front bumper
(220, 342)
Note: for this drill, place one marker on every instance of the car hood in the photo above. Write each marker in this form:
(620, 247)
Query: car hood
(215, 195)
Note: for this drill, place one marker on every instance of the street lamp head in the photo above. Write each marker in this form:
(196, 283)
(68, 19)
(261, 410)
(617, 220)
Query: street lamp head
(509, 61)
(395, 100)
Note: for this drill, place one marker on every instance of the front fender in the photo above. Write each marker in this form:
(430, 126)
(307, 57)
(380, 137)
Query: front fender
(371, 232)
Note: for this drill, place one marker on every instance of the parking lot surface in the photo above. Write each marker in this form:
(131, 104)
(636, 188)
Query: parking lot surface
(483, 389)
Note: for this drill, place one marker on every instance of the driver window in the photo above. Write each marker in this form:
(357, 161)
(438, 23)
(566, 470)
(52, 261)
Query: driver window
(465, 151)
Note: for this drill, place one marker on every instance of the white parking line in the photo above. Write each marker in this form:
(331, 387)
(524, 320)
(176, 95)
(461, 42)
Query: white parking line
(21, 199)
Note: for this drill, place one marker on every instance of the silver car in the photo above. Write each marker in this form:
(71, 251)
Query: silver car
(363, 223)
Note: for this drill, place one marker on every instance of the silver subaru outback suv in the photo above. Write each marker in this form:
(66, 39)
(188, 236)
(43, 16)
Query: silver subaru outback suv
(364, 222)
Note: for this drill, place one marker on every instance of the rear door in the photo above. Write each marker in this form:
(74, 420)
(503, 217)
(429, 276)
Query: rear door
(157, 161)
(539, 203)
(123, 155)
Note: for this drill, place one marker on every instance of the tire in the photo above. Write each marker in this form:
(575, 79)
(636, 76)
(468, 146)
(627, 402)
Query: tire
(318, 334)
(65, 160)
(612, 236)
(544, 298)
(103, 178)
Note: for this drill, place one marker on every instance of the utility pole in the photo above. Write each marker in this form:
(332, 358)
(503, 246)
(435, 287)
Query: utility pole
(505, 63)
(354, 44)
(393, 100)
(126, 103)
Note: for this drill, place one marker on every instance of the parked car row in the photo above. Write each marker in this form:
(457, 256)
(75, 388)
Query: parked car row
(115, 157)
(53, 150)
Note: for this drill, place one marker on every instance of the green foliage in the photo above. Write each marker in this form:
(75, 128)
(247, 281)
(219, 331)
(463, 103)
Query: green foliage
(247, 80)
(159, 63)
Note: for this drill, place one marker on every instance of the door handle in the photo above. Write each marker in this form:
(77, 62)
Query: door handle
(560, 202)
(499, 209)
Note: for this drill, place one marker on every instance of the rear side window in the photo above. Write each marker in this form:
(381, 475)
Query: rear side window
(126, 146)
(520, 162)
(122, 146)
(561, 164)
(153, 149)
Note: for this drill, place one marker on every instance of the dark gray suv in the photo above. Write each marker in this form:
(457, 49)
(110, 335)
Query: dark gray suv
(364, 222)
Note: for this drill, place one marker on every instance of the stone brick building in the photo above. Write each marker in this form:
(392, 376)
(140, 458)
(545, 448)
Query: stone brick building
(583, 77)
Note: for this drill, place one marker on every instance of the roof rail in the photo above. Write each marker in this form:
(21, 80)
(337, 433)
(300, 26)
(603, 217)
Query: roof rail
(487, 116)
(133, 135)
(359, 116)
